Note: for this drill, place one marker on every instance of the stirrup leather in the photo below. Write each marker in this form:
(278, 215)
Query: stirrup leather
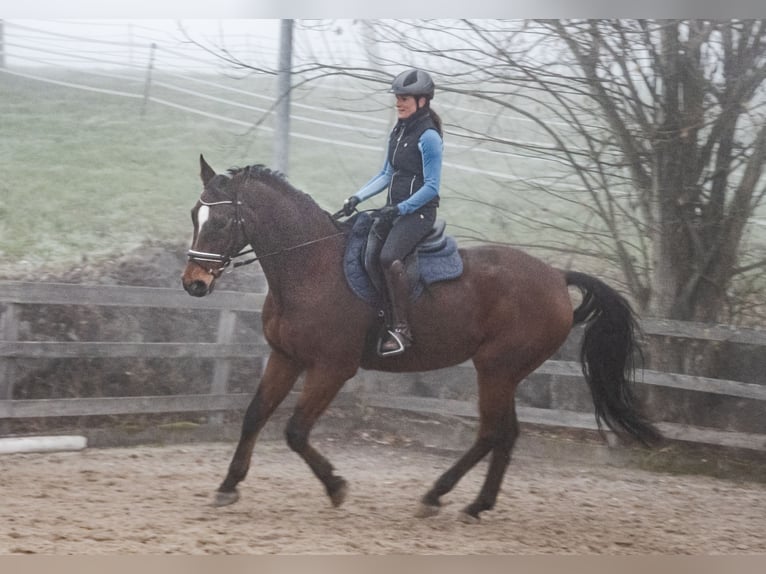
(400, 337)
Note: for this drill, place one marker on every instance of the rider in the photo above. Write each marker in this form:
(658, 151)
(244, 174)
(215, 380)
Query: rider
(411, 173)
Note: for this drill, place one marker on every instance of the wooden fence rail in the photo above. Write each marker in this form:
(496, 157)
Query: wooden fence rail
(217, 400)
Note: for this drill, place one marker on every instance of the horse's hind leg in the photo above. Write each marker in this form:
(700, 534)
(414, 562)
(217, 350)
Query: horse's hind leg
(430, 504)
(498, 429)
(506, 431)
(320, 388)
(279, 377)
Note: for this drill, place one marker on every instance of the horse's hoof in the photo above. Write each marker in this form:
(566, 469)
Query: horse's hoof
(225, 498)
(466, 518)
(427, 510)
(339, 496)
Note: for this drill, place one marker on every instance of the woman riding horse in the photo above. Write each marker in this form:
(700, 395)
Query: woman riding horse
(508, 313)
(411, 173)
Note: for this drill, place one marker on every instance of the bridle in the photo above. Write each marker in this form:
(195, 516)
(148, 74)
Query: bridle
(226, 260)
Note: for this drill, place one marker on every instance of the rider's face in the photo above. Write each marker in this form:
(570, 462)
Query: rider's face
(406, 106)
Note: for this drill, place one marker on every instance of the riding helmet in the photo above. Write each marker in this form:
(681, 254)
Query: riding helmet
(413, 83)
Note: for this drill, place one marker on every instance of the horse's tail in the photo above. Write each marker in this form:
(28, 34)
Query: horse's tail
(609, 349)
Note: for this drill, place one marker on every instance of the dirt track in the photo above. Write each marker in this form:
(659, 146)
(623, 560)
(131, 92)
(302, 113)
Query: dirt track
(155, 500)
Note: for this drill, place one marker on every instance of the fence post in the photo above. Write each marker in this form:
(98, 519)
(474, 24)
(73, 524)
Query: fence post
(9, 331)
(148, 84)
(222, 367)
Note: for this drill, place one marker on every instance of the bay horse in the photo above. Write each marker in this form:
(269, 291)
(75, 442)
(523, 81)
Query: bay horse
(508, 312)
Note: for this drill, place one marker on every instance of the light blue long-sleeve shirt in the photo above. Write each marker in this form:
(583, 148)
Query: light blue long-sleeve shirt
(431, 148)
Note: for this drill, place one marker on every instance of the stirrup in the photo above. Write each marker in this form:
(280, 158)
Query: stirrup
(402, 339)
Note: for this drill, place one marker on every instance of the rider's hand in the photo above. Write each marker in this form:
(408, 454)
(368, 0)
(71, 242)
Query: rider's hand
(388, 213)
(349, 205)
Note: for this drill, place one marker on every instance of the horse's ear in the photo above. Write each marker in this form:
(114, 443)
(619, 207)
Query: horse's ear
(206, 172)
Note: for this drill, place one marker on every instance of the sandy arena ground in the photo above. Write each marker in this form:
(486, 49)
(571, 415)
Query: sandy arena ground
(156, 500)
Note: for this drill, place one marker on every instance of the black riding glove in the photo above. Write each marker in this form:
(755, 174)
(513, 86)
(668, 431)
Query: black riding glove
(349, 205)
(388, 213)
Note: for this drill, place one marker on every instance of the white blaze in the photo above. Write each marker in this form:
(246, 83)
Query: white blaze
(202, 216)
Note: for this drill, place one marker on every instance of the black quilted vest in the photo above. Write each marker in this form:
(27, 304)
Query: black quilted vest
(406, 159)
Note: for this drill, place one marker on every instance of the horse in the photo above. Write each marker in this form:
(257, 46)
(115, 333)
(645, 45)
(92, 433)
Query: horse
(507, 312)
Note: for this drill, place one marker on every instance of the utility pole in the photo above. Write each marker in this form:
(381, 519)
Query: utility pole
(282, 123)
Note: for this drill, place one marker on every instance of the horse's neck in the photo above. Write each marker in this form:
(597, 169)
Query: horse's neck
(291, 236)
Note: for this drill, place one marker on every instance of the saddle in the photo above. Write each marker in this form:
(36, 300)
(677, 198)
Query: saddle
(436, 258)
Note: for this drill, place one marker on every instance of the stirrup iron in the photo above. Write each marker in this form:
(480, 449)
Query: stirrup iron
(401, 339)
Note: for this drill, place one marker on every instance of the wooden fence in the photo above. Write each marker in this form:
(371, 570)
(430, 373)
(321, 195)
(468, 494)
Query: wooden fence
(224, 349)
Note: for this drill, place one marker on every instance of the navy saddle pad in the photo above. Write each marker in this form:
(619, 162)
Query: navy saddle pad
(437, 259)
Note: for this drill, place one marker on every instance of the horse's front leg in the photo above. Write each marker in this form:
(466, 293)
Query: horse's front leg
(321, 386)
(279, 377)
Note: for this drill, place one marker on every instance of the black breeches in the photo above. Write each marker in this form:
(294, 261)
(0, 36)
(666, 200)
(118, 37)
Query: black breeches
(405, 234)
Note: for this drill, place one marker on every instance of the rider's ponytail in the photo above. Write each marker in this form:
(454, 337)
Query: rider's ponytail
(436, 120)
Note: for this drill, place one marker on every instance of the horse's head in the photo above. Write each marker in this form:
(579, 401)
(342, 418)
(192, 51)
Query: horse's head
(217, 236)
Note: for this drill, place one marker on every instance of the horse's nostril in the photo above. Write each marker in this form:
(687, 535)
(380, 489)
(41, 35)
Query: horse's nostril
(197, 288)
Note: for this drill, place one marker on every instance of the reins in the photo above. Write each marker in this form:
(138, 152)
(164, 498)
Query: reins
(286, 249)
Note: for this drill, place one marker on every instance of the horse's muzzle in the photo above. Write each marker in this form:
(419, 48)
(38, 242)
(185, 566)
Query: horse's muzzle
(197, 288)
(198, 281)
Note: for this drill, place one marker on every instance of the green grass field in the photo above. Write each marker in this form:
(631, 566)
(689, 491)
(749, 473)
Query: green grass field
(86, 174)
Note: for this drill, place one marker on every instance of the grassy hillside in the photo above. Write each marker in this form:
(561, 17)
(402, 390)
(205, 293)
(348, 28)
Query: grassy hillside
(86, 174)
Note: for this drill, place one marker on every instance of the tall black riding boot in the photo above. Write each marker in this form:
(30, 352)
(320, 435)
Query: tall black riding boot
(399, 336)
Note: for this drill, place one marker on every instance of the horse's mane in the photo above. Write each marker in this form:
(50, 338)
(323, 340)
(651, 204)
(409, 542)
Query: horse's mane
(276, 180)
(272, 178)
(260, 172)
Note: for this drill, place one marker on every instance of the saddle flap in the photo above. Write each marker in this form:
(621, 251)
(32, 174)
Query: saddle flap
(370, 253)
